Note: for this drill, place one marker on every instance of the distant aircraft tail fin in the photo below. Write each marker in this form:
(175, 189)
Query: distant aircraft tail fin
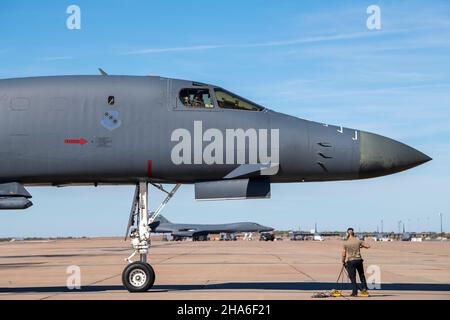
(162, 219)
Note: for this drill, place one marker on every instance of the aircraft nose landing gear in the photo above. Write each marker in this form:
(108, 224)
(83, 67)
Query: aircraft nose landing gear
(139, 276)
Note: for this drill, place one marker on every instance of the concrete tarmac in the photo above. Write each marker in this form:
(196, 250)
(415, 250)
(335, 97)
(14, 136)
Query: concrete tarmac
(220, 270)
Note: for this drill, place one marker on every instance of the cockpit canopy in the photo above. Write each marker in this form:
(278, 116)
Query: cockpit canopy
(196, 98)
(202, 98)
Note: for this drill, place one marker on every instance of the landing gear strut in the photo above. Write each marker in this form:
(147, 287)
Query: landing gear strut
(139, 276)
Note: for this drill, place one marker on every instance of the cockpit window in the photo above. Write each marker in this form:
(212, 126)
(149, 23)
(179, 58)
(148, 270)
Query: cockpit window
(196, 98)
(228, 100)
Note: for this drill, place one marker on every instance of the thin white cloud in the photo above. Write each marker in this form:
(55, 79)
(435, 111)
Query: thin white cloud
(56, 58)
(176, 49)
(314, 39)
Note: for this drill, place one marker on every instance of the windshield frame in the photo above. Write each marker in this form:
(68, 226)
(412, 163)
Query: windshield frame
(260, 107)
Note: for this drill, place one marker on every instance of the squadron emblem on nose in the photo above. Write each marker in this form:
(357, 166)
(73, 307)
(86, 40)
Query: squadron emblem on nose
(111, 120)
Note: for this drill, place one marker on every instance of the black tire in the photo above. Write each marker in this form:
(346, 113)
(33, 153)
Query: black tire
(138, 277)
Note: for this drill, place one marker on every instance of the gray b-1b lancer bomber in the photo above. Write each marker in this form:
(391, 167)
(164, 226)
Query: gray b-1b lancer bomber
(93, 130)
(197, 231)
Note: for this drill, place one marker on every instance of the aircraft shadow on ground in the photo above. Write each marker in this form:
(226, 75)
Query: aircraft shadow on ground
(306, 286)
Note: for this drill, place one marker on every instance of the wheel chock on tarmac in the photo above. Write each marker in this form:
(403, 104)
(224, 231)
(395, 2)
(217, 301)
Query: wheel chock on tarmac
(335, 293)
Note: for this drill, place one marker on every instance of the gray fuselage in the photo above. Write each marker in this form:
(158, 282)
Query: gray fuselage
(119, 129)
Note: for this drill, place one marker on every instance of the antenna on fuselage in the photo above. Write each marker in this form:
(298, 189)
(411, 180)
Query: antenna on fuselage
(102, 72)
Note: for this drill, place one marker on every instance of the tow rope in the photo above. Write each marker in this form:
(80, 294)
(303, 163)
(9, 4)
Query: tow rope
(334, 293)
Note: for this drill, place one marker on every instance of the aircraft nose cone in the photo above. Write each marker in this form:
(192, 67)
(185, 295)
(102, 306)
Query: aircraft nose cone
(382, 156)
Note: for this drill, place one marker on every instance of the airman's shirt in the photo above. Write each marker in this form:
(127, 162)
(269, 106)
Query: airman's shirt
(352, 247)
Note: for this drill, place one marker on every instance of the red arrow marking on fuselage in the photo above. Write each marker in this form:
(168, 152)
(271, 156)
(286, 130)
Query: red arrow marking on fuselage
(76, 141)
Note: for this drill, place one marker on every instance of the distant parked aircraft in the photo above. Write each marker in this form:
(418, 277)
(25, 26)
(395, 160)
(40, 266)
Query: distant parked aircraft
(201, 231)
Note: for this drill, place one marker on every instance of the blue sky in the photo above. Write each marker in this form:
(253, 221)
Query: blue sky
(312, 59)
